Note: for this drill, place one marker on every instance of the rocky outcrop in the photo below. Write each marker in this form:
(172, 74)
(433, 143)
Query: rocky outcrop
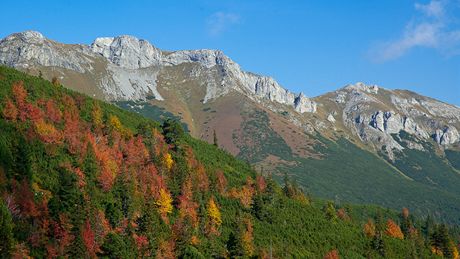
(447, 136)
(127, 51)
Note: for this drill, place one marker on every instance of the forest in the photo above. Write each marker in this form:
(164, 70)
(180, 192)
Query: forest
(82, 178)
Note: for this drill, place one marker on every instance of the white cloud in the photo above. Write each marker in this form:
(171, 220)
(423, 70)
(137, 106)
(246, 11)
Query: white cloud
(220, 21)
(433, 29)
(434, 8)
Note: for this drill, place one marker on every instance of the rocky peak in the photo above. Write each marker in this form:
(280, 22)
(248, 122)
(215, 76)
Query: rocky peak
(362, 87)
(127, 51)
(27, 36)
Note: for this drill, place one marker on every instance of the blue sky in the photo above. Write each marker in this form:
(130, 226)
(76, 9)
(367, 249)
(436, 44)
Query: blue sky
(310, 46)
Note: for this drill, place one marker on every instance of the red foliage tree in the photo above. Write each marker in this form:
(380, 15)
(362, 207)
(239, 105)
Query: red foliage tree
(89, 240)
(73, 134)
(261, 184)
(187, 207)
(52, 111)
(33, 112)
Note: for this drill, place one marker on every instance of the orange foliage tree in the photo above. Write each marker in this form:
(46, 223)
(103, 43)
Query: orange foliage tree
(393, 230)
(369, 228)
(10, 112)
(334, 254)
(248, 237)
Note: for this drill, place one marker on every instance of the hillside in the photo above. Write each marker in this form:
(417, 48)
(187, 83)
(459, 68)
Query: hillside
(83, 178)
(361, 143)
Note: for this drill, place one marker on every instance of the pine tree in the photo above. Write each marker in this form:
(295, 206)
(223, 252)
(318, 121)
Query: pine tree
(215, 142)
(6, 232)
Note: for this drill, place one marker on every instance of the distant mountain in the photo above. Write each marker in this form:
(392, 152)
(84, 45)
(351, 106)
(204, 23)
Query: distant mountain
(360, 143)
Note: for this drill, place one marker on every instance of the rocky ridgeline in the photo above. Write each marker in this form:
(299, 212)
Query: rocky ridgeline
(133, 64)
(375, 113)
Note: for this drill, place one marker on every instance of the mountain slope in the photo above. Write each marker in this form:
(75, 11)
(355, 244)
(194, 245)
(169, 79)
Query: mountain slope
(410, 142)
(82, 178)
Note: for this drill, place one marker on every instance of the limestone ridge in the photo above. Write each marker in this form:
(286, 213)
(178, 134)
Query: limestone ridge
(132, 66)
(374, 114)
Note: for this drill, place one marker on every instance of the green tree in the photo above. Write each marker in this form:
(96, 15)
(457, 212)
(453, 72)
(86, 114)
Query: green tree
(215, 142)
(6, 231)
(329, 211)
(234, 246)
(172, 131)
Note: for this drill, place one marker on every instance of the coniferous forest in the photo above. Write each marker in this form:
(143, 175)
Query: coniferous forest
(81, 178)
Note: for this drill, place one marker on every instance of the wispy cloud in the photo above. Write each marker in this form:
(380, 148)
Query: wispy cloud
(432, 28)
(219, 22)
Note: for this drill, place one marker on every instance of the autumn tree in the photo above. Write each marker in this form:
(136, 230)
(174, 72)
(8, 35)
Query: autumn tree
(53, 112)
(89, 240)
(333, 254)
(164, 203)
(114, 123)
(10, 112)
(47, 132)
(214, 216)
(19, 96)
(369, 228)
(221, 182)
(343, 215)
(261, 184)
(97, 116)
(187, 207)
(393, 230)
(248, 237)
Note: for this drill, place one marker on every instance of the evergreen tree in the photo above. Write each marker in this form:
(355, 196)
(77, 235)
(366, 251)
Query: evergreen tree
(215, 142)
(378, 244)
(172, 131)
(6, 231)
(234, 246)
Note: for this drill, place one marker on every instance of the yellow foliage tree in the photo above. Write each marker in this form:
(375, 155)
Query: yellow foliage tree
(97, 116)
(213, 212)
(115, 123)
(164, 202)
(168, 161)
